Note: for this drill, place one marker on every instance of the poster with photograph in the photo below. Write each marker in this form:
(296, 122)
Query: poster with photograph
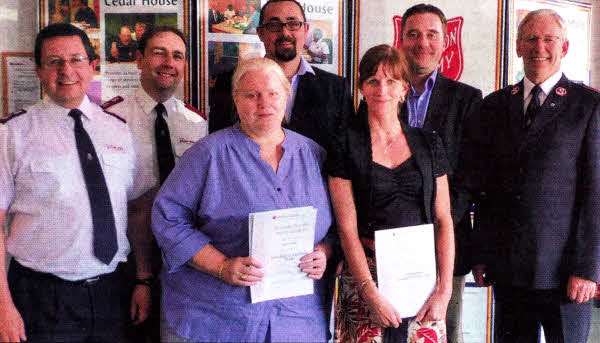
(577, 15)
(114, 28)
(473, 43)
(229, 34)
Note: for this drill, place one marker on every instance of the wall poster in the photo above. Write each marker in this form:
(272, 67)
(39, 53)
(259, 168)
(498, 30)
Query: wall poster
(228, 34)
(114, 26)
(20, 85)
(578, 16)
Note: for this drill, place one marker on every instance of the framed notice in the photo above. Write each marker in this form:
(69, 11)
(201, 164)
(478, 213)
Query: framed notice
(20, 84)
(577, 15)
(114, 28)
(227, 34)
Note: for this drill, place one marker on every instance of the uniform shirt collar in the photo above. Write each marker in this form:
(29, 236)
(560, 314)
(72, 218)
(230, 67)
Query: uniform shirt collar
(86, 107)
(147, 103)
(546, 86)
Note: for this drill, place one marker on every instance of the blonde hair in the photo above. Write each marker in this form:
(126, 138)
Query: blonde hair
(259, 63)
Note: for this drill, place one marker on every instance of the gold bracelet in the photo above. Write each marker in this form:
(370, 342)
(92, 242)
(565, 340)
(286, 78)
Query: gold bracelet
(220, 273)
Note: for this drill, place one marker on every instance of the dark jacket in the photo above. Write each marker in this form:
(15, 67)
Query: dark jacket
(539, 220)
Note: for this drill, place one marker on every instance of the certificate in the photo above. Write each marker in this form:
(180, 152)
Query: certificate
(278, 239)
(406, 271)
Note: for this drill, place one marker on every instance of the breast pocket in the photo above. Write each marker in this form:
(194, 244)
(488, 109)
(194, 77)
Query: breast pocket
(51, 178)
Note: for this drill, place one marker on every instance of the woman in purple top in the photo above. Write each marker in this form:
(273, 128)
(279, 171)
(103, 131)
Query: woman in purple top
(200, 220)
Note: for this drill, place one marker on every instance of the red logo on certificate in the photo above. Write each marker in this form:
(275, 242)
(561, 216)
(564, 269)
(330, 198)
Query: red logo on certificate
(452, 61)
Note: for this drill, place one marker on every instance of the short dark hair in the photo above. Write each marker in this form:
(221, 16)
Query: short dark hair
(61, 30)
(84, 2)
(386, 55)
(263, 9)
(419, 9)
(156, 30)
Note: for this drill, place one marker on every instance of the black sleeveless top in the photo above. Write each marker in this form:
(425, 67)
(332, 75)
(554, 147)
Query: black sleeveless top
(397, 194)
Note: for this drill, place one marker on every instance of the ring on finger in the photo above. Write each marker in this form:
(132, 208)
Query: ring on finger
(243, 276)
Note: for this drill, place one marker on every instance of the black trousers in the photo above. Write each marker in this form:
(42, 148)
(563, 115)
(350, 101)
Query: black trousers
(56, 310)
(520, 312)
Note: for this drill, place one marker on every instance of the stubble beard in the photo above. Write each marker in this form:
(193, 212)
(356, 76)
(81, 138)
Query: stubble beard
(285, 54)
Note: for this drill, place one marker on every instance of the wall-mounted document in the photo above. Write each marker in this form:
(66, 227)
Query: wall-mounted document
(406, 271)
(278, 239)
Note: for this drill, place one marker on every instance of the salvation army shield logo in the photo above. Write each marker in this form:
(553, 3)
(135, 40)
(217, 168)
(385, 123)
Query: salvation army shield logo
(452, 61)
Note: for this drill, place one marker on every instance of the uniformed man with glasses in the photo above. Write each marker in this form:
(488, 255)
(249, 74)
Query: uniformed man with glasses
(319, 101)
(66, 174)
(537, 164)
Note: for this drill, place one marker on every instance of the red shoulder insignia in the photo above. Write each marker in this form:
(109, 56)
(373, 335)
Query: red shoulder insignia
(112, 102)
(12, 115)
(116, 116)
(195, 110)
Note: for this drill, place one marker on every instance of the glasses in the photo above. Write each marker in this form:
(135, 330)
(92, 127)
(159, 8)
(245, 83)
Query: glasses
(77, 62)
(277, 26)
(547, 40)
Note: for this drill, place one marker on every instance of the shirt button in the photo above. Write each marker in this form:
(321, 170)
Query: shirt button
(518, 197)
(279, 189)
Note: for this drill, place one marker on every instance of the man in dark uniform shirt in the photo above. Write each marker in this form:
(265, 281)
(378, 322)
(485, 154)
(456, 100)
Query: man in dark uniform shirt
(85, 14)
(123, 49)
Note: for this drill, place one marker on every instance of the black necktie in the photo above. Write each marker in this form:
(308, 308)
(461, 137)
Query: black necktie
(103, 219)
(164, 149)
(534, 106)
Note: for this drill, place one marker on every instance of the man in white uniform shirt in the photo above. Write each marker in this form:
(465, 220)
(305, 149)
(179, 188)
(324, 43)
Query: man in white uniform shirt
(66, 174)
(163, 127)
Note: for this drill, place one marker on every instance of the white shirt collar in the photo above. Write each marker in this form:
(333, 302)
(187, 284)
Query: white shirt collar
(546, 86)
(147, 103)
(86, 107)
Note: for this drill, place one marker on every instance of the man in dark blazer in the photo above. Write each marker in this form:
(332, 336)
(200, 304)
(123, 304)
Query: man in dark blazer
(320, 100)
(439, 104)
(538, 161)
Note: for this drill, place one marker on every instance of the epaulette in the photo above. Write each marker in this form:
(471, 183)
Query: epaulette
(116, 116)
(12, 115)
(195, 110)
(112, 102)
(590, 88)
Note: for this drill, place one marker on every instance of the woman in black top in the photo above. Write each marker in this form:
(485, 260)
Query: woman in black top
(385, 174)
